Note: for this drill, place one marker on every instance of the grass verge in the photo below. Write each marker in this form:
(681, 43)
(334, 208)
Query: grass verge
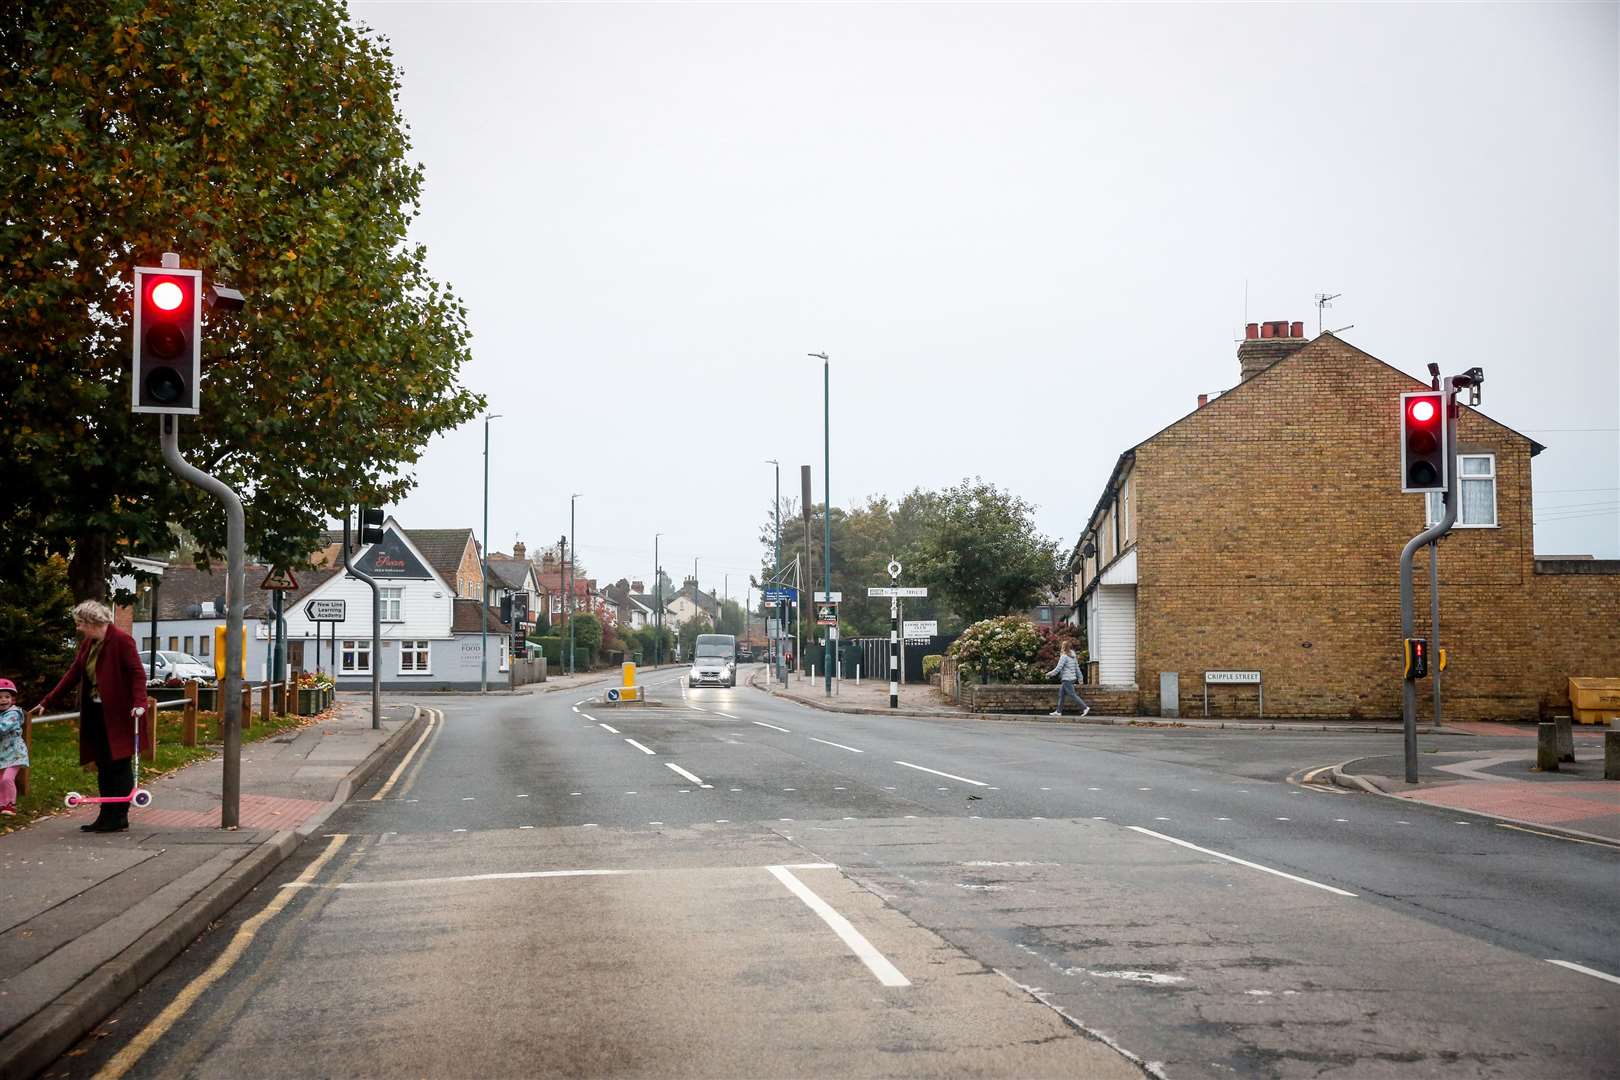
(55, 770)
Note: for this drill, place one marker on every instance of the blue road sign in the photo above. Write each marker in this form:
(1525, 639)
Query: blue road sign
(784, 594)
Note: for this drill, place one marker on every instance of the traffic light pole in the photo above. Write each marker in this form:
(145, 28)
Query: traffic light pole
(230, 802)
(1427, 536)
(376, 626)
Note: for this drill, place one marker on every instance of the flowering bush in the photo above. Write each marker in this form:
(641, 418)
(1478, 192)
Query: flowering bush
(1046, 657)
(309, 680)
(1004, 649)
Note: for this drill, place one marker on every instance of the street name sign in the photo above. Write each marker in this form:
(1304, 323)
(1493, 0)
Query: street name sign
(896, 590)
(920, 629)
(829, 598)
(327, 611)
(1212, 678)
(783, 594)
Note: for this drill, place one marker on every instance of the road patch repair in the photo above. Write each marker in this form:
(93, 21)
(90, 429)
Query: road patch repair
(87, 921)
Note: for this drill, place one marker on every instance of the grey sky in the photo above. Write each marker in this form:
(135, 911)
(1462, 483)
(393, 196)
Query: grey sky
(1022, 232)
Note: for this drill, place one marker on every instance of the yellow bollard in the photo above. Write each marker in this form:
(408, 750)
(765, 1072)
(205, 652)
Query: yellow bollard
(629, 673)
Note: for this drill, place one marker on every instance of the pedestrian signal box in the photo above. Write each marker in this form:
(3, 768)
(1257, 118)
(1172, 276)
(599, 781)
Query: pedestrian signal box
(1416, 658)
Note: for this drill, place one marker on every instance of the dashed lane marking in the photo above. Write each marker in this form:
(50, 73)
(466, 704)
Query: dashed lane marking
(1240, 862)
(841, 746)
(773, 727)
(727, 715)
(643, 749)
(946, 775)
(610, 729)
(683, 772)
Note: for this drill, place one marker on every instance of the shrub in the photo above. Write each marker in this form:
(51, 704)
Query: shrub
(931, 664)
(1046, 657)
(1002, 649)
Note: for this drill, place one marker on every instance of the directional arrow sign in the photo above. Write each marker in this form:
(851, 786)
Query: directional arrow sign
(327, 611)
(901, 591)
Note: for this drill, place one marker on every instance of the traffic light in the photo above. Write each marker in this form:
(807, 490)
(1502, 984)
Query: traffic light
(1423, 442)
(371, 525)
(1416, 658)
(166, 349)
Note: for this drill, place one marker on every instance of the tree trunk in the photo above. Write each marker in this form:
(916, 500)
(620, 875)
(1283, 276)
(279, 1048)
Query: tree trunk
(87, 570)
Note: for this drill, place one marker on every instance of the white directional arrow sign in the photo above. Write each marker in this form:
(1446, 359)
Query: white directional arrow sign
(900, 591)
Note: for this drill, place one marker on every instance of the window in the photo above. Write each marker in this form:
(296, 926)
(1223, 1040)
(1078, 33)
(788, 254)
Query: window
(187, 649)
(203, 645)
(356, 657)
(174, 644)
(392, 599)
(1478, 485)
(146, 645)
(413, 657)
(1125, 508)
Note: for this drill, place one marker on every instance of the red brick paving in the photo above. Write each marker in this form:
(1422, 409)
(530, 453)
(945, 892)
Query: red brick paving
(1526, 800)
(257, 812)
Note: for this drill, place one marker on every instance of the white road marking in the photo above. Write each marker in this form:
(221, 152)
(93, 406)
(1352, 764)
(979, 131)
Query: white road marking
(728, 716)
(469, 798)
(571, 793)
(643, 749)
(1341, 820)
(1223, 819)
(722, 821)
(393, 777)
(458, 830)
(841, 746)
(629, 793)
(589, 825)
(1586, 971)
(1284, 819)
(736, 789)
(1240, 862)
(576, 708)
(683, 772)
(876, 962)
(1161, 819)
(699, 708)
(525, 826)
(607, 728)
(773, 727)
(525, 796)
(655, 822)
(946, 775)
(790, 789)
(589, 717)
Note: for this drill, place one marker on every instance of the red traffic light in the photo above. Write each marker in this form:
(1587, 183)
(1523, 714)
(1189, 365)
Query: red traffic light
(1423, 410)
(167, 295)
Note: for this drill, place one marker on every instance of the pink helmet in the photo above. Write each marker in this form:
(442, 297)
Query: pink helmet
(7, 684)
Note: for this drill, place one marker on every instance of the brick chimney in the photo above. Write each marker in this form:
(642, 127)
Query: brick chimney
(1266, 343)
(519, 551)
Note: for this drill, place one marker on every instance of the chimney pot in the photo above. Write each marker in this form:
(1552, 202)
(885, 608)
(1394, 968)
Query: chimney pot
(1268, 329)
(1251, 332)
(1203, 399)
(519, 551)
(1299, 330)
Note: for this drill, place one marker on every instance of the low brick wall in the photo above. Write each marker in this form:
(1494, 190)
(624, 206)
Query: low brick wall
(1042, 698)
(948, 679)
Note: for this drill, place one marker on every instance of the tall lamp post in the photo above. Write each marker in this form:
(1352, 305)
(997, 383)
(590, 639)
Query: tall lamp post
(483, 571)
(658, 605)
(826, 506)
(776, 570)
(573, 546)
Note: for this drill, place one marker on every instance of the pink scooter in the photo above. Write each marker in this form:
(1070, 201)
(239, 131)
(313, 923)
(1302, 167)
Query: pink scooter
(138, 796)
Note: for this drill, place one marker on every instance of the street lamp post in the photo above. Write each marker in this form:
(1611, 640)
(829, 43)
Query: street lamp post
(573, 577)
(826, 507)
(776, 569)
(658, 605)
(483, 572)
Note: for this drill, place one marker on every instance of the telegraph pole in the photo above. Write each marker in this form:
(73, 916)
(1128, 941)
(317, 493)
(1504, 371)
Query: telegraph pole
(826, 508)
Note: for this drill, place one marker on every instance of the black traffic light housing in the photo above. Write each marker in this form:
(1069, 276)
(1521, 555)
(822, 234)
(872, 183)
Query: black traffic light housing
(1424, 464)
(166, 348)
(371, 525)
(1416, 658)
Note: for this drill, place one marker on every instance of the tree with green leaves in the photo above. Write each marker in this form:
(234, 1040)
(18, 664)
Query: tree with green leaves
(983, 553)
(36, 628)
(264, 143)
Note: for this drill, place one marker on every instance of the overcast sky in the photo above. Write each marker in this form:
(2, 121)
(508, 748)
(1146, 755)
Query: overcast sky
(1024, 233)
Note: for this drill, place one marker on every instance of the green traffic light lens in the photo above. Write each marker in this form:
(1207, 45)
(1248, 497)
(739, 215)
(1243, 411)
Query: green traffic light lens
(1421, 474)
(165, 386)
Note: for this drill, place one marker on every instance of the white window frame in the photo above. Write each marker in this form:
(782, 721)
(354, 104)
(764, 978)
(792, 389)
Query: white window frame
(1431, 501)
(1125, 512)
(425, 651)
(392, 606)
(357, 647)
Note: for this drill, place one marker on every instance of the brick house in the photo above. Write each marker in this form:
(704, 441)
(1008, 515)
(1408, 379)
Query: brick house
(1263, 530)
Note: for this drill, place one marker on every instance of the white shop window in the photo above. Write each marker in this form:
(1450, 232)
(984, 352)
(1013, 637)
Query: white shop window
(392, 599)
(356, 657)
(413, 657)
(1477, 483)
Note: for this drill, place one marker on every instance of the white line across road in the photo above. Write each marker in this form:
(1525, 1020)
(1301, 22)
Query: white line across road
(773, 727)
(643, 749)
(609, 728)
(683, 772)
(1586, 971)
(876, 962)
(1240, 862)
(946, 775)
(841, 746)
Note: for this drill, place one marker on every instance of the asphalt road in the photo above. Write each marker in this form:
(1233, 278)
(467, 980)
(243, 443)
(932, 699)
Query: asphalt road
(734, 885)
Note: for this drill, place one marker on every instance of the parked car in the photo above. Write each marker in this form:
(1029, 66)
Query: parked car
(177, 667)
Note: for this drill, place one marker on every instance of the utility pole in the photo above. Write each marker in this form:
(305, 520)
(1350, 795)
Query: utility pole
(809, 560)
(658, 605)
(483, 574)
(774, 646)
(572, 579)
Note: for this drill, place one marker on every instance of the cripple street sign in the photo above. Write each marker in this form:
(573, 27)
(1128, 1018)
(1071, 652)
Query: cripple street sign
(327, 611)
(1212, 678)
(897, 591)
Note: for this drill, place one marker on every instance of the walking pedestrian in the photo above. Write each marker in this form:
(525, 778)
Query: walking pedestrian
(112, 687)
(1068, 673)
(13, 749)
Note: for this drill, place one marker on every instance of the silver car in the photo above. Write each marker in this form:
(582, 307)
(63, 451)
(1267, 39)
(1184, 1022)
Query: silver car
(177, 665)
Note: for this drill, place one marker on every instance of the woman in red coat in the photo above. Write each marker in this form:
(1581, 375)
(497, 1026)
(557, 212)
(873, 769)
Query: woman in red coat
(111, 682)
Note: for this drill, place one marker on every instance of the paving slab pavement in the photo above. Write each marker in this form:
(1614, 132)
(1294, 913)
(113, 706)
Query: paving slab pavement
(1575, 801)
(85, 919)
